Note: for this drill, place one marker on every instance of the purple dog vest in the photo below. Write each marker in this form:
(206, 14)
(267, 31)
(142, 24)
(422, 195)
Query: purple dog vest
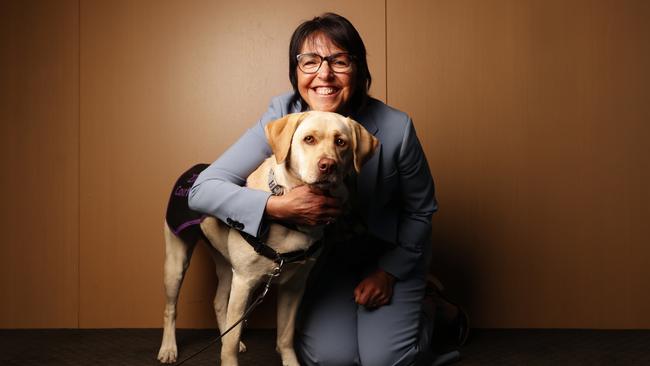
(181, 219)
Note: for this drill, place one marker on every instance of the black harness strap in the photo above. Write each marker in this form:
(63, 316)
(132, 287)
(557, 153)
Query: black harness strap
(261, 248)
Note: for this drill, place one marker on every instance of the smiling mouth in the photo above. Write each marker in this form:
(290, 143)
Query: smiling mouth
(325, 90)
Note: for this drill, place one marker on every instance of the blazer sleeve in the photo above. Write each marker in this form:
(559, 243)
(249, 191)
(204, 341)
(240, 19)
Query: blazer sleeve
(219, 190)
(418, 203)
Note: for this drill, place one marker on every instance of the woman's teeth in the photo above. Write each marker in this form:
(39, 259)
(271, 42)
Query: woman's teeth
(325, 91)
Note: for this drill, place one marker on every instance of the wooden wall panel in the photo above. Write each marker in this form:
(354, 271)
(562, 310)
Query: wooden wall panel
(39, 161)
(534, 118)
(164, 86)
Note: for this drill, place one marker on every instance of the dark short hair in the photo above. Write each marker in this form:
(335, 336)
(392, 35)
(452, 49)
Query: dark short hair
(343, 34)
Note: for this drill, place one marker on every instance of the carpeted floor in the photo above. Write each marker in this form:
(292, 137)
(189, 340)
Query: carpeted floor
(485, 347)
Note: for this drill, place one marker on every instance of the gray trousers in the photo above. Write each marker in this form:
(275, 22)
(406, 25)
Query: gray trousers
(334, 331)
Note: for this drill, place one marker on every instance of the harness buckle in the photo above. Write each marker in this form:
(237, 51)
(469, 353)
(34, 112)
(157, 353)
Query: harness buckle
(278, 270)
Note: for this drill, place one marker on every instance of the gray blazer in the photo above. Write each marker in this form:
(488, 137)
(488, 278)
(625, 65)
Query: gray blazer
(396, 191)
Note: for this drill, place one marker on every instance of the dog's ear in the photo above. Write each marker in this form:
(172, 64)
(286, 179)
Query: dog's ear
(280, 132)
(364, 144)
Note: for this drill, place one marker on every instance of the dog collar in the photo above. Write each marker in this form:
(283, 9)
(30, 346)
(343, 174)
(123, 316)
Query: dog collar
(276, 189)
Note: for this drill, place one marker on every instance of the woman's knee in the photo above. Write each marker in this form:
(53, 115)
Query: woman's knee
(327, 352)
(399, 346)
(379, 356)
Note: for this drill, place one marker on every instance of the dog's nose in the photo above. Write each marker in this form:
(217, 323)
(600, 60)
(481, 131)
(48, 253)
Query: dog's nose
(326, 165)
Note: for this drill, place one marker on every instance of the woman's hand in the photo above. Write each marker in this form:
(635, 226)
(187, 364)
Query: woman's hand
(375, 290)
(304, 205)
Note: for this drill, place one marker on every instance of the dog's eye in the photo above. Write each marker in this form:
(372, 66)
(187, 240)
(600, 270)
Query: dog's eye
(340, 142)
(309, 139)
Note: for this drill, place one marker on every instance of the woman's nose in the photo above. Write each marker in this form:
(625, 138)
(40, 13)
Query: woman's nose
(325, 72)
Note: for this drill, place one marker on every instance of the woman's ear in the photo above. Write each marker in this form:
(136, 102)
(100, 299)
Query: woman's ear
(280, 133)
(364, 144)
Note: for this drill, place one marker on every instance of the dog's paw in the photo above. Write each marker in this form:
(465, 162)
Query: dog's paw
(288, 356)
(290, 361)
(242, 347)
(168, 354)
(290, 364)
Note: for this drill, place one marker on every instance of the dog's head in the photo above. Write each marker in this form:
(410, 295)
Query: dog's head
(320, 148)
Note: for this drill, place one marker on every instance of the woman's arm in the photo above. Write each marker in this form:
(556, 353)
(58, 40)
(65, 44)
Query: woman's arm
(219, 190)
(418, 203)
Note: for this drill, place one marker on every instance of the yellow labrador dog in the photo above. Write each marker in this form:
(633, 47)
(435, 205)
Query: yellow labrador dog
(312, 148)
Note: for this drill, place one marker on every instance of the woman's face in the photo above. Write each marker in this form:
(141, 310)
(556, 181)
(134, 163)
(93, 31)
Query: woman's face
(324, 90)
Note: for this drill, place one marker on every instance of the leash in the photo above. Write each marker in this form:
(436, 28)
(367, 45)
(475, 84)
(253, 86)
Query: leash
(253, 305)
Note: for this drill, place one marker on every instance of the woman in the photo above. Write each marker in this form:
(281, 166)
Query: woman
(364, 305)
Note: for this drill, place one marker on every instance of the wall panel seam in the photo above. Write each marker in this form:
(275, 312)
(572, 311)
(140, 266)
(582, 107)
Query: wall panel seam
(386, 49)
(78, 164)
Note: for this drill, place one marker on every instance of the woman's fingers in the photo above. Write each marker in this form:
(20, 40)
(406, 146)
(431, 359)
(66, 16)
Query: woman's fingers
(375, 290)
(309, 206)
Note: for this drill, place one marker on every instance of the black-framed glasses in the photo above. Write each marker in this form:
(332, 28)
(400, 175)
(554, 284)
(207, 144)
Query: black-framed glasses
(310, 63)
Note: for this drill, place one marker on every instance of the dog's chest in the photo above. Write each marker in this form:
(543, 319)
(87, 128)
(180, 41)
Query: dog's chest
(284, 240)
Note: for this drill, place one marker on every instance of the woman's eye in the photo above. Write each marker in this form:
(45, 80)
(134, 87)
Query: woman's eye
(309, 139)
(340, 142)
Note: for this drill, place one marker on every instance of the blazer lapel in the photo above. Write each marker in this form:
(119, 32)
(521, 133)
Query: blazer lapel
(367, 178)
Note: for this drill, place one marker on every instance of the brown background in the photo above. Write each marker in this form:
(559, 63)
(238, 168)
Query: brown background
(533, 114)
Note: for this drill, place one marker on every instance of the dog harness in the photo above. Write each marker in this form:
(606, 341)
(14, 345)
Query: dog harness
(185, 222)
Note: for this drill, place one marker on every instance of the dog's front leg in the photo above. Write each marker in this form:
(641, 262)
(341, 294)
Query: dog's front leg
(240, 291)
(289, 296)
(224, 274)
